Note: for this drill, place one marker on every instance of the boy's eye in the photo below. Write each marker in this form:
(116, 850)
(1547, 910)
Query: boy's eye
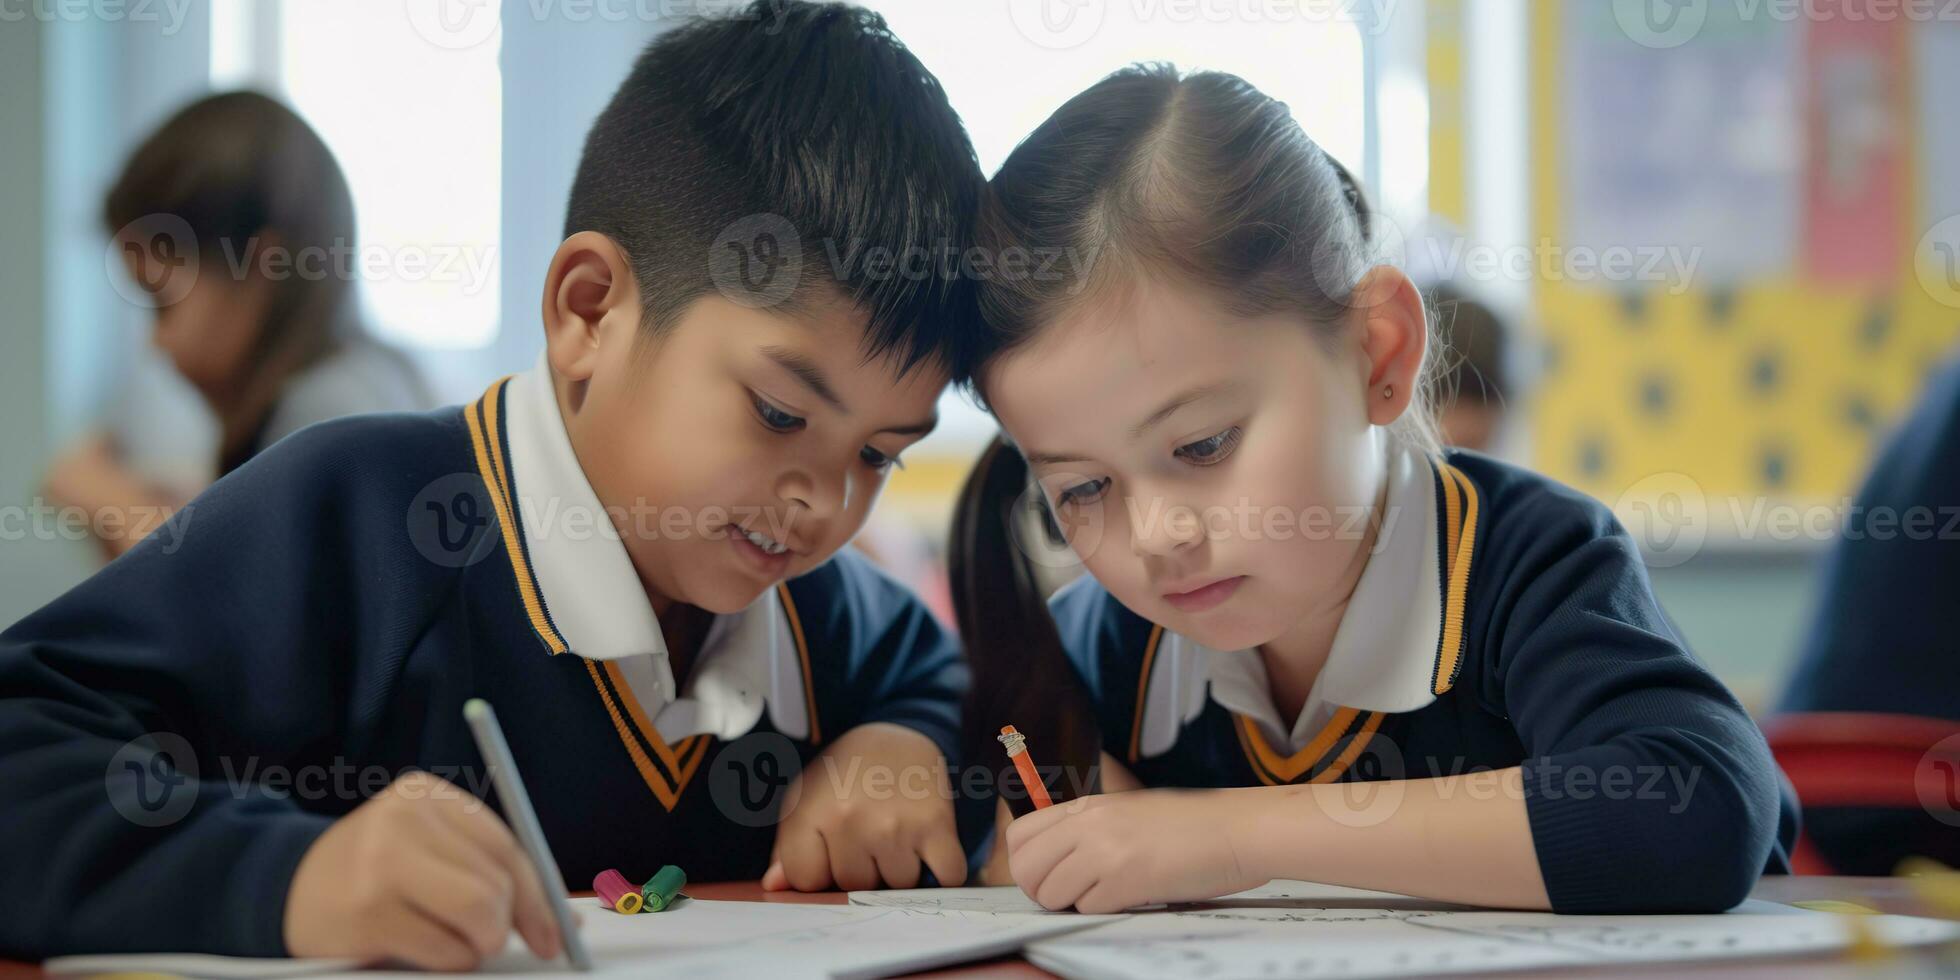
(775, 418)
(877, 460)
(1082, 493)
(1206, 452)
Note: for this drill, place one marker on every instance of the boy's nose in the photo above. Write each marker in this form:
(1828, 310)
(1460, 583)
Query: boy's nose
(821, 495)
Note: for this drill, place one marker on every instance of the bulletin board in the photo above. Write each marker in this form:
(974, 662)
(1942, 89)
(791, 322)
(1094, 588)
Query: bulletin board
(1772, 371)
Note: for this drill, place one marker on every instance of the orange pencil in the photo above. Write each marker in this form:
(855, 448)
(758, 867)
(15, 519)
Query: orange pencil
(1017, 749)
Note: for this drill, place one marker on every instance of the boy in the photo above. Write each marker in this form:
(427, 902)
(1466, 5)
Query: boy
(728, 375)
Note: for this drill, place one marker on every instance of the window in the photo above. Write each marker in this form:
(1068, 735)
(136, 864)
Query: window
(1007, 69)
(417, 125)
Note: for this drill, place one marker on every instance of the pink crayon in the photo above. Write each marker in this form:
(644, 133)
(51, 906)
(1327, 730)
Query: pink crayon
(619, 894)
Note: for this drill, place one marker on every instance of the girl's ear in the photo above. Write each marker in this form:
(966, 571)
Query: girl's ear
(1394, 337)
(589, 291)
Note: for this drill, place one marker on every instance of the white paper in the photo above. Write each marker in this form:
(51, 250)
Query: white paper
(1360, 943)
(1002, 900)
(1008, 899)
(1282, 928)
(699, 939)
(193, 965)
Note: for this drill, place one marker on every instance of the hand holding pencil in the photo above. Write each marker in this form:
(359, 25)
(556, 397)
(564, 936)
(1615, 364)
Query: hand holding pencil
(423, 873)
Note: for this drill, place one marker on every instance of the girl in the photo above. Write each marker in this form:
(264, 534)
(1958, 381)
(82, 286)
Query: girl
(1367, 661)
(262, 323)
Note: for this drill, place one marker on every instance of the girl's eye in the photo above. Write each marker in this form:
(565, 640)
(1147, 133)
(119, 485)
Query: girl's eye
(1206, 452)
(879, 461)
(775, 418)
(1082, 493)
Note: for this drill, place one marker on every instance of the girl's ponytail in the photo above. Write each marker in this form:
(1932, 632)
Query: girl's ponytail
(1021, 676)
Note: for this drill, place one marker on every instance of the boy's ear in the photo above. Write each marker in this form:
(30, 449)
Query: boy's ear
(1394, 336)
(590, 299)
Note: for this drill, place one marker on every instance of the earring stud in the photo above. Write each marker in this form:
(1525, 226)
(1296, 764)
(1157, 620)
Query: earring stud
(1388, 391)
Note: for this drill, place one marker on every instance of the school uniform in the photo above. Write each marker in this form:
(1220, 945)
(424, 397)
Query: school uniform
(1502, 620)
(1879, 641)
(333, 604)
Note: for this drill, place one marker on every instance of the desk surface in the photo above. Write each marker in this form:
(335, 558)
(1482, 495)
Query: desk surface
(1885, 894)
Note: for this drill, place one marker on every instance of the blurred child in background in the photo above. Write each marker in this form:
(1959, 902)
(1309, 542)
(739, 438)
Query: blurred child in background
(229, 217)
(1474, 383)
(1880, 643)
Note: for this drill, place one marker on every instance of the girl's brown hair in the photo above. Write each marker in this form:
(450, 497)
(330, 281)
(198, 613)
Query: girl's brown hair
(1200, 179)
(238, 168)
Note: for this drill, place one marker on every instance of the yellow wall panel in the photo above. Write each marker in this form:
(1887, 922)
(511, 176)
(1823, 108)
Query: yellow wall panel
(1772, 388)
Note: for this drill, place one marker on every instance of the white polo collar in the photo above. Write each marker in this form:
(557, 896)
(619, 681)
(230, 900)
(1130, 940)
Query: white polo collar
(600, 609)
(1385, 650)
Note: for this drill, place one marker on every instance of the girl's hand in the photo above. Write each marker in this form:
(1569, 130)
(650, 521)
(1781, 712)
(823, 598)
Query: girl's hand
(1116, 778)
(1112, 852)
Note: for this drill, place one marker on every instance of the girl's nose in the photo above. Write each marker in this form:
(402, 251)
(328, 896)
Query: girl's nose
(1164, 531)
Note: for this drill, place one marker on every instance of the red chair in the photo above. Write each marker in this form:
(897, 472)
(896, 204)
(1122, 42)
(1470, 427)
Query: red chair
(1845, 759)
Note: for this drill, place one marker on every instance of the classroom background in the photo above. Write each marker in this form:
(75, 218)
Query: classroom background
(1721, 239)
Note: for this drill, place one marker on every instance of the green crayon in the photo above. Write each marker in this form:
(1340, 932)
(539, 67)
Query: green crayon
(660, 889)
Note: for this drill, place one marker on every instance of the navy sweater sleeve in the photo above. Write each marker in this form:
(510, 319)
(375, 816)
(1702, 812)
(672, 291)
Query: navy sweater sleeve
(135, 709)
(1648, 787)
(905, 668)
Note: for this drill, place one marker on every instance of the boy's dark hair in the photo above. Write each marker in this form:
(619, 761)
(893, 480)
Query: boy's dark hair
(788, 120)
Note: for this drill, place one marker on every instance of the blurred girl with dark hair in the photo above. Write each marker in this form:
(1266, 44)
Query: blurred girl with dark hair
(229, 218)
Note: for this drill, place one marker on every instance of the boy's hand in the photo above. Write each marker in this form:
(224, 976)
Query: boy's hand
(423, 873)
(1113, 852)
(874, 807)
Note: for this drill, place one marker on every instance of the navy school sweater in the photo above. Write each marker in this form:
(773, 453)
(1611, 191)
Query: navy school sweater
(1880, 640)
(1648, 788)
(177, 730)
